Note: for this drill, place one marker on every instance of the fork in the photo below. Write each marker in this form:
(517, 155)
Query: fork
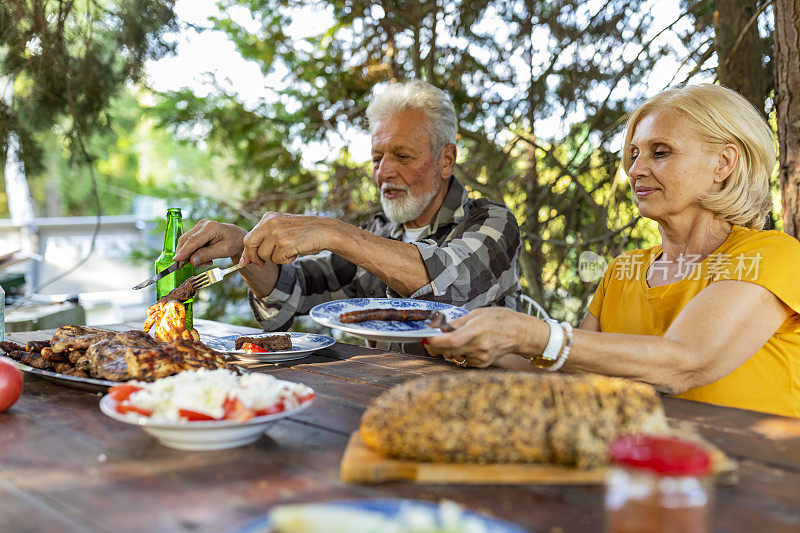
(211, 276)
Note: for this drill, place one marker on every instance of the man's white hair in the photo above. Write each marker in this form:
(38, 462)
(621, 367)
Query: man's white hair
(417, 95)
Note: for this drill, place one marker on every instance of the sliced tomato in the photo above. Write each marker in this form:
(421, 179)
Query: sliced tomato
(121, 393)
(188, 414)
(235, 410)
(125, 408)
(249, 347)
(277, 408)
(306, 397)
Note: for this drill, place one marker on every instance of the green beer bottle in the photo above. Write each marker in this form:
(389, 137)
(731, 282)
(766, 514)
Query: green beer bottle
(172, 281)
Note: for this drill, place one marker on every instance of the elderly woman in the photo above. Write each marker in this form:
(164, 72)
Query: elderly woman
(713, 313)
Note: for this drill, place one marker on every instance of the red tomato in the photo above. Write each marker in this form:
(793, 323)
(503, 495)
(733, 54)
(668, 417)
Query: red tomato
(188, 414)
(249, 347)
(305, 397)
(10, 383)
(125, 408)
(235, 410)
(277, 408)
(121, 392)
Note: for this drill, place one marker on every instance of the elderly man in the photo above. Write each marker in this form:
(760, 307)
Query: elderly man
(431, 242)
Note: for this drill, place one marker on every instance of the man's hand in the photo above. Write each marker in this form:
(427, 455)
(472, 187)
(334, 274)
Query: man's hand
(280, 238)
(209, 240)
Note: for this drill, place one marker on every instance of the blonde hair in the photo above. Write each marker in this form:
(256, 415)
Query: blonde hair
(720, 116)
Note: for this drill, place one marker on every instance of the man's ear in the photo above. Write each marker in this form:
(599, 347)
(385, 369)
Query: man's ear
(726, 162)
(447, 161)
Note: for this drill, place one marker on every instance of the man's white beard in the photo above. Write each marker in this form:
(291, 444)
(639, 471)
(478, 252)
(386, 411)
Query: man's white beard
(407, 207)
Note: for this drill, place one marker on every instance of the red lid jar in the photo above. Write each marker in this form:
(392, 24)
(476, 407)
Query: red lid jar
(658, 485)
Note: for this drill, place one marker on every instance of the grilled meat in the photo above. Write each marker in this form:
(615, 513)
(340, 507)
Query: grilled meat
(36, 346)
(8, 346)
(272, 342)
(36, 361)
(50, 355)
(106, 359)
(76, 338)
(16, 355)
(69, 370)
(182, 293)
(400, 315)
(179, 355)
(169, 319)
(116, 356)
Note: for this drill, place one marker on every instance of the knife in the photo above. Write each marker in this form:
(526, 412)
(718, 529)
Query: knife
(166, 272)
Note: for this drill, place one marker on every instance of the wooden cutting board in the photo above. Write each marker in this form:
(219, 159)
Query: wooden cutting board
(360, 464)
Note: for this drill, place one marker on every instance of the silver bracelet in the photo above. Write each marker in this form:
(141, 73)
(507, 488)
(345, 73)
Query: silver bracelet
(562, 356)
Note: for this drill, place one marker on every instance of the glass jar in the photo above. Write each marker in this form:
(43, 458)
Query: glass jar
(658, 485)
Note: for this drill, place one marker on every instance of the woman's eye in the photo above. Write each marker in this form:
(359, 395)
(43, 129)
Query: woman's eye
(660, 153)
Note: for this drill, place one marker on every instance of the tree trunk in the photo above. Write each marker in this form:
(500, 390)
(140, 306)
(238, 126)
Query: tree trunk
(740, 66)
(740, 55)
(787, 103)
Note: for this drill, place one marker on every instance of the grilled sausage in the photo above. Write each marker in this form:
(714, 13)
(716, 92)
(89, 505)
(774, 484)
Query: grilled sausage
(400, 315)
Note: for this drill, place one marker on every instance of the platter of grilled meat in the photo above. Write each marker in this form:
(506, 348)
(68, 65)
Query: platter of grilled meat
(95, 359)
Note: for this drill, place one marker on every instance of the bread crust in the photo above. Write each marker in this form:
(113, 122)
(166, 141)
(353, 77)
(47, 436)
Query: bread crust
(505, 417)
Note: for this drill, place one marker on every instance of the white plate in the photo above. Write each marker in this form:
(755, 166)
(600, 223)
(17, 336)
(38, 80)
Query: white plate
(384, 514)
(201, 435)
(328, 313)
(302, 345)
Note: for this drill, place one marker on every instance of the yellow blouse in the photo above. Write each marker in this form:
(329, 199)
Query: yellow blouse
(769, 381)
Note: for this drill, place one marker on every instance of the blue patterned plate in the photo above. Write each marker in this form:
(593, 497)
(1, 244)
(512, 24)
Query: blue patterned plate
(328, 313)
(384, 514)
(302, 345)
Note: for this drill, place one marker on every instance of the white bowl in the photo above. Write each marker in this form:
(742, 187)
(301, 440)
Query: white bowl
(201, 435)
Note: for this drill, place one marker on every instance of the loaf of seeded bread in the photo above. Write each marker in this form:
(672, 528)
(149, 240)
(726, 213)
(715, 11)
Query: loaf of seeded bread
(504, 417)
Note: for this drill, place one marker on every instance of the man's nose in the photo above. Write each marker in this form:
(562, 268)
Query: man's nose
(385, 169)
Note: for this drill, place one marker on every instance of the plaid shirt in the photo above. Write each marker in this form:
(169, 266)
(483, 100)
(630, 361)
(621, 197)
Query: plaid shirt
(470, 250)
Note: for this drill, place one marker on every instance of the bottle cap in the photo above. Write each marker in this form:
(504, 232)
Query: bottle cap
(669, 456)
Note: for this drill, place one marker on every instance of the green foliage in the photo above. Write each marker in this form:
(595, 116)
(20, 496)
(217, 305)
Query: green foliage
(510, 66)
(541, 89)
(66, 61)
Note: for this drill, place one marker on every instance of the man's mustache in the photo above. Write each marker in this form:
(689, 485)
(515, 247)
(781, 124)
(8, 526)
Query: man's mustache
(387, 186)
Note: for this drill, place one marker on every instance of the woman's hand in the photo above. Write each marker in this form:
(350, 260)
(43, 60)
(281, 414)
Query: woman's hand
(484, 336)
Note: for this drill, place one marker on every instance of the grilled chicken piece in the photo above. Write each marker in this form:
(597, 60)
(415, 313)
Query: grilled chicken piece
(8, 346)
(106, 359)
(16, 355)
(182, 354)
(77, 338)
(36, 346)
(36, 361)
(198, 354)
(169, 319)
(69, 370)
(50, 355)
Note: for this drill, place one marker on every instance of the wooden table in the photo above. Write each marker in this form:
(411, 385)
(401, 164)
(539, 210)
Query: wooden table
(64, 466)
